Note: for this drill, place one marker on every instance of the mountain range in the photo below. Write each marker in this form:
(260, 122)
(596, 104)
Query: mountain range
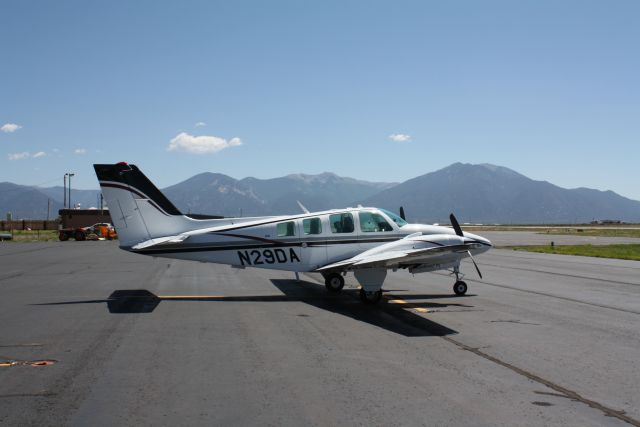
(480, 193)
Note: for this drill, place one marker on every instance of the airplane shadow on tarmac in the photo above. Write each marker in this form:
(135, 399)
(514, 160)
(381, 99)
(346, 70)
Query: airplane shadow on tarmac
(392, 317)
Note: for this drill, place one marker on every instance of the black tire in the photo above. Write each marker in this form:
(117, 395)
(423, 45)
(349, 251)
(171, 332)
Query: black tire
(460, 288)
(334, 282)
(370, 298)
(80, 235)
(63, 236)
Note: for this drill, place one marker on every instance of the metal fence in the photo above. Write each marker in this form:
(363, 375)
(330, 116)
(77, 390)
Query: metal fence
(28, 224)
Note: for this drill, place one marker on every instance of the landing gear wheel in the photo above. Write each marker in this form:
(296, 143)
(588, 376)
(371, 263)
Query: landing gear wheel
(334, 282)
(370, 298)
(460, 287)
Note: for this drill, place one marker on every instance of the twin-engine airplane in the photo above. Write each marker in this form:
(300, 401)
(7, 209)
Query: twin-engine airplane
(367, 241)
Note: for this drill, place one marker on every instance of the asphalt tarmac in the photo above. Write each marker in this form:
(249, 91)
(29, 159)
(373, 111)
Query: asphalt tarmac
(124, 339)
(514, 238)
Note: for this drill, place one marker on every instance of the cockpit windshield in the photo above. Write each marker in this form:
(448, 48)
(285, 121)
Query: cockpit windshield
(401, 222)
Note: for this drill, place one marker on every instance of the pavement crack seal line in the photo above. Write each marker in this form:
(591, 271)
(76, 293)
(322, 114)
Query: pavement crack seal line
(554, 273)
(11, 363)
(37, 394)
(624, 310)
(35, 344)
(562, 391)
(609, 307)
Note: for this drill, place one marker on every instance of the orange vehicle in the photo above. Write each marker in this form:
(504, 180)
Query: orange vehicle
(101, 230)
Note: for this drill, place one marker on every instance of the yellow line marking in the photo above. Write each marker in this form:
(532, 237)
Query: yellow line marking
(191, 296)
(408, 304)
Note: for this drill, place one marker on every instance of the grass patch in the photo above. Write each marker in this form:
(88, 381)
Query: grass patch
(630, 252)
(600, 232)
(625, 230)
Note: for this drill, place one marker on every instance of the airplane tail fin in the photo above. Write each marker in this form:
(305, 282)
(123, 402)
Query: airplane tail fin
(139, 210)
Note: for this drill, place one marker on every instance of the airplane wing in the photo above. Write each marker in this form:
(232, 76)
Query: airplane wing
(392, 259)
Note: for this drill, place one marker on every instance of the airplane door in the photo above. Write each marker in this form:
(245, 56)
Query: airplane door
(313, 237)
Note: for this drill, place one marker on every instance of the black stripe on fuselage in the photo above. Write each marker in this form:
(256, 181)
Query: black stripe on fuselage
(235, 246)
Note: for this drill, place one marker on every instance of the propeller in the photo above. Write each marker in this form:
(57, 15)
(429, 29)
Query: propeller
(402, 213)
(458, 230)
(455, 225)
(474, 264)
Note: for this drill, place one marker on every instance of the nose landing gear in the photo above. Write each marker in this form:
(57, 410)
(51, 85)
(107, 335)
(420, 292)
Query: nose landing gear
(460, 287)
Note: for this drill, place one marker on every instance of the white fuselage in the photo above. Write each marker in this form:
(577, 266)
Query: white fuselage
(306, 242)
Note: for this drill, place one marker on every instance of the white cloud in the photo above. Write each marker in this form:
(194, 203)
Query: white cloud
(399, 137)
(200, 144)
(10, 127)
(19, 156)
(39, 154)
(200, 124)
(80, 151)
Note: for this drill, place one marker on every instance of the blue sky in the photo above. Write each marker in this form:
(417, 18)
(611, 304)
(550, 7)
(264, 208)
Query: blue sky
(376, 90)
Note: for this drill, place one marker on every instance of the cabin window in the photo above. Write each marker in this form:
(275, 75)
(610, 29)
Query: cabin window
(373, 222)
(341, 223)
(312, 226)
(285, 229)
(395, 218)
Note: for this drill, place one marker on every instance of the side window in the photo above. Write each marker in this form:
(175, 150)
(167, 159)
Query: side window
(373, 222)
(341, 223)
(285, 229)
(312, 226)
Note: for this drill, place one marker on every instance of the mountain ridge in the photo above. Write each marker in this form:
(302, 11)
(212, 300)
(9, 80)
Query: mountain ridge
(496, 194)
(481, 193)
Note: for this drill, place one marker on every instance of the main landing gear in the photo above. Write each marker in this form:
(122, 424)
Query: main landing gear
(460, 287)
(370, 297)
(334, 282)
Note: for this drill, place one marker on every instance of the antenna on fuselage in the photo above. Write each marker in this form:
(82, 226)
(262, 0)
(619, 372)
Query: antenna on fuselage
(305, 210)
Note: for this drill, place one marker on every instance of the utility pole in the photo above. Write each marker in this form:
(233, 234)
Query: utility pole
(70, 175)
(65, 191)
(48, 207)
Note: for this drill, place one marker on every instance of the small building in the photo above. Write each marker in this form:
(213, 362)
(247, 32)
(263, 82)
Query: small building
(606, 221)
(75, 218)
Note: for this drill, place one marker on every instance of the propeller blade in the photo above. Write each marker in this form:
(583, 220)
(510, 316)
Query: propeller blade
(474, 264)
(402, 213)
(456, 226)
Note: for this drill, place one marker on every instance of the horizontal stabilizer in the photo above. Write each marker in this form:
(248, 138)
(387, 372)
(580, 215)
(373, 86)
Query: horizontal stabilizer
(160, 240)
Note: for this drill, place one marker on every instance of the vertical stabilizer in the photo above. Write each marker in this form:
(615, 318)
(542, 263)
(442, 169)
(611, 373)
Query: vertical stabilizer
(139, 210)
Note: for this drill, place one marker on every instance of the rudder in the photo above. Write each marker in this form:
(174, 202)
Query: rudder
(139, 210)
